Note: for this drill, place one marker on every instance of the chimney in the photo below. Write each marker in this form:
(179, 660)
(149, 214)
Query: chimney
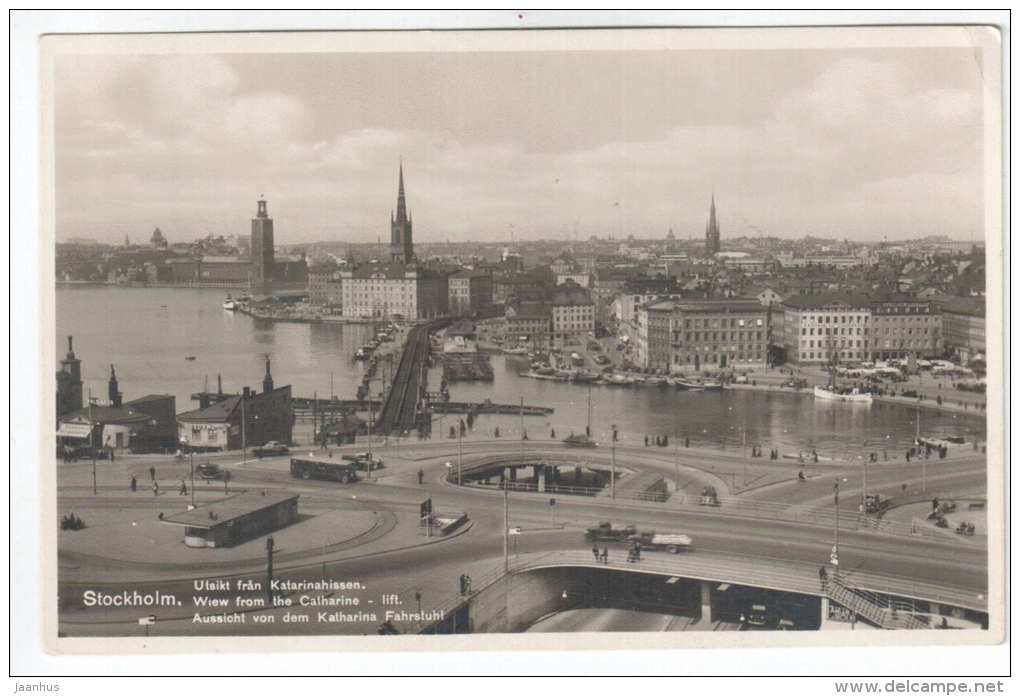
(219, 385)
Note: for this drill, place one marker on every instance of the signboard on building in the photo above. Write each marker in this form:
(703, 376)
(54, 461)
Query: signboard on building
(76, 430)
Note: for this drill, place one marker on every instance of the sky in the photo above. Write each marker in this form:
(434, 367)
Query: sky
(861, 144)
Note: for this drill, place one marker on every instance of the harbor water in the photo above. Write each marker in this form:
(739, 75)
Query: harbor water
(149, 334)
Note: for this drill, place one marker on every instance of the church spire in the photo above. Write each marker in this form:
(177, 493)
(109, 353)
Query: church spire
(712, 231)
(401, 203)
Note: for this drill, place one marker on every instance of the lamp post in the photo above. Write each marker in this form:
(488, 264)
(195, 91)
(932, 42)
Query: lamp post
(244, 432)
(612, 465)
(834, 557)
(191, 459)
(460, 456)
(92, 442)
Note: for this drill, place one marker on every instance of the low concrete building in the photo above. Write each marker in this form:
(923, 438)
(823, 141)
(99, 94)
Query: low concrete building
(247, 419)
(236, 519)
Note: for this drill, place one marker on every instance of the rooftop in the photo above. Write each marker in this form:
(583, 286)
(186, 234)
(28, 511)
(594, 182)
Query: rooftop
(226, 259)
(217, 412)
(109, 414)
(215, 514)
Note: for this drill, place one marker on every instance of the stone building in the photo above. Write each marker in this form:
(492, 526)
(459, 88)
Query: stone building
(470, 291)
(573, 313)
(325, 285)
(681, 335)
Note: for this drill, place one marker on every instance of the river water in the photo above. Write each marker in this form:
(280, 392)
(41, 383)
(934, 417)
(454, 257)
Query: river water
(148, 333)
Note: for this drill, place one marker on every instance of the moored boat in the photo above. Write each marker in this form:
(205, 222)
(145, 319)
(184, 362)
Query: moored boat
(853, 396)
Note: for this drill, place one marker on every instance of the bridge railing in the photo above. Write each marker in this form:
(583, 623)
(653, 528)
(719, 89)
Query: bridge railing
(793, 577)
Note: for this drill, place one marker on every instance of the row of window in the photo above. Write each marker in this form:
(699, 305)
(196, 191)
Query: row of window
(740, 336)
(722, 323)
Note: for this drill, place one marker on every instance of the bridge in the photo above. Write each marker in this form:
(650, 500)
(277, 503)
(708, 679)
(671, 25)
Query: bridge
(400, 408)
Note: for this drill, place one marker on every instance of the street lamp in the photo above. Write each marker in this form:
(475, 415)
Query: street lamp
(834, 556)
(191, 458)
(612, 466)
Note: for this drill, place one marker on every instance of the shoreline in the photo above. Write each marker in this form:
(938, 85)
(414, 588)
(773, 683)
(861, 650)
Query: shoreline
(907, 402)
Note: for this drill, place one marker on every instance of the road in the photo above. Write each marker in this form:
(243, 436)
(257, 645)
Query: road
(775, 544)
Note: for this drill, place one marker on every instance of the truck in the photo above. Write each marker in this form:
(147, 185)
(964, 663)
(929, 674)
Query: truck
(271, 449)
(674, 543)
(324, 469)
(607, 531)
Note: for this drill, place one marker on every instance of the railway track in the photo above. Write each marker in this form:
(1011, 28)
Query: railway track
(400, 409)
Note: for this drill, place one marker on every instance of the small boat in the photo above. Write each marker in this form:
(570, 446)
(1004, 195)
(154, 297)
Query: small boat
(229, 304)
(687, 385)
(546, 371)
(853, 396)
(712, 386)
(655, 381)
(189, 357)
(616, 379)
(585, 376)
(515, 351)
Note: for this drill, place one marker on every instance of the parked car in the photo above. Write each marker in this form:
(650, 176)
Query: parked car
(271, 449)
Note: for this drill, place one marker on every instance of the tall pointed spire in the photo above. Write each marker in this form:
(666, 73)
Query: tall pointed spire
(712, 231)
(401, 240)
(401, 204)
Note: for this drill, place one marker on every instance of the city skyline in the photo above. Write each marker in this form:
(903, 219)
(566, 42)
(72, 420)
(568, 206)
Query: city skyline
(843, 144)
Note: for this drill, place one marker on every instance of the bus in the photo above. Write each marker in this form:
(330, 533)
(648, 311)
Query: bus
(326, 469)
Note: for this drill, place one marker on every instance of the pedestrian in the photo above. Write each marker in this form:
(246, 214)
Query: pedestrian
(113, 455)
(152, 473)
(908, 456)
(687, 442)
(885, 455)
(184, 488)
(421, 476)
(155, 488)
(605, 554)
(646, 441)
(552, 434)
(134, 484)
(595, 552)
(823, 576)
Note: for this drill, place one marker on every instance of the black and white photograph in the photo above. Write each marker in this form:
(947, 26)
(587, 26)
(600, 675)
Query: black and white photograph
(395, 338)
